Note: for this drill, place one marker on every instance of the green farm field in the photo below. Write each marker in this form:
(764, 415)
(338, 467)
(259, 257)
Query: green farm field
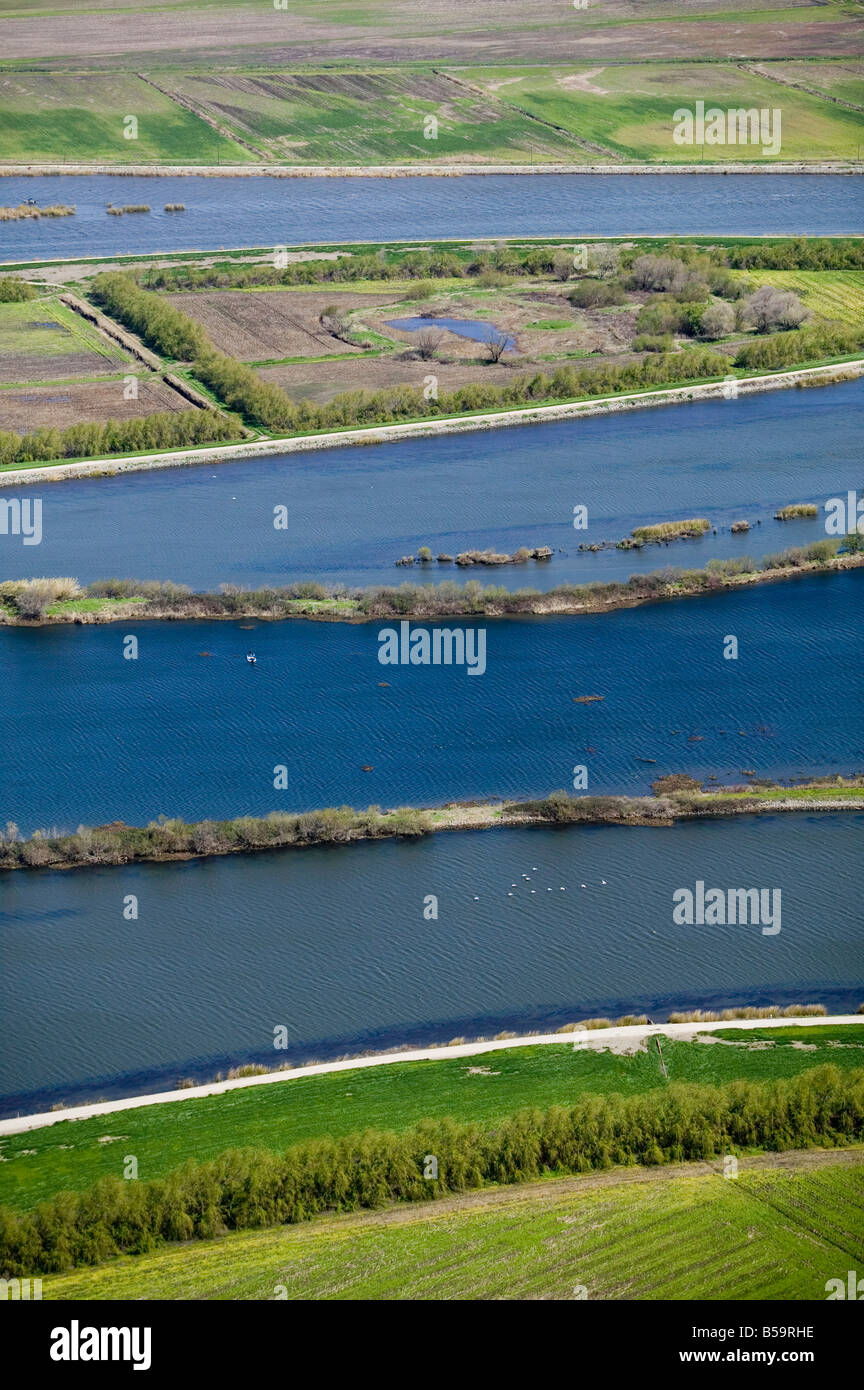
(41, 339)
(772, 1233)
(375, 115)
(380, 117)
(828, 294)
(61, 117)
(629, 109)
(73, 1154)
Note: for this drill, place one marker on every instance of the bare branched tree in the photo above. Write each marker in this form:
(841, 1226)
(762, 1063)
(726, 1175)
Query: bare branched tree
(496, 346)
(428, 341)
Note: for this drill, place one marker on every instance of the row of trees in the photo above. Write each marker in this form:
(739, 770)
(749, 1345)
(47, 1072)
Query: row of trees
(789, 253)
(795, 253)
(808, 344)
(253, 1188)
(433, 264)
(799, 253)
(172, 429)
(151, 316)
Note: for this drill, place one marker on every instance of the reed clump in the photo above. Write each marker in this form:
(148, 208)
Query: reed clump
(796, 509)
(672, 530)
(25, 210)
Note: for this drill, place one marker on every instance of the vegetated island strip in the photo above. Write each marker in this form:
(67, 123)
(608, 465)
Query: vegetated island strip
(47, 601)
(676, 797)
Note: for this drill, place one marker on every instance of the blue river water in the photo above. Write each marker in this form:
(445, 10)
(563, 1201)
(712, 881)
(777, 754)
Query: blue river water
(351, 513)
(190, 729)
(332, 944)
(234, 212)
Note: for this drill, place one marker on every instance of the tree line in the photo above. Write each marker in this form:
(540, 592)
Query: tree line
(793, 253)
(172, 429)
(252, 1188)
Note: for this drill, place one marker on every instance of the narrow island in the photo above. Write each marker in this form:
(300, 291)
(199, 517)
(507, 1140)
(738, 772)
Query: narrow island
(676, 798)
(46, 601)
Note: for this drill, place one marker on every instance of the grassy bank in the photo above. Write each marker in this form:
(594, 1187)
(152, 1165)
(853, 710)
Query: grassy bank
(773, 1234)
(74, 1154)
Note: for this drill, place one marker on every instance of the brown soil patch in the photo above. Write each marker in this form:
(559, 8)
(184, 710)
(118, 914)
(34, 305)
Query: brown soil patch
(29, 408)
(321, 381)
(581, 82)
(41, 366)
(488, 31)
(261, 324)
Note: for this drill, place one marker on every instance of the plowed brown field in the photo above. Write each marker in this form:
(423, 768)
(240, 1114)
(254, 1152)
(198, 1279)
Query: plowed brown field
(29, 408)
(262, 324)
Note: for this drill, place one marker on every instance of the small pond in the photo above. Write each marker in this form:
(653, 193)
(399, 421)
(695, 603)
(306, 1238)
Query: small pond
(476, 329)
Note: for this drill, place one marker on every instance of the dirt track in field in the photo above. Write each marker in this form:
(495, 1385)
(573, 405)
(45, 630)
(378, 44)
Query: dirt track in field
(795, 1161)
(28, 408)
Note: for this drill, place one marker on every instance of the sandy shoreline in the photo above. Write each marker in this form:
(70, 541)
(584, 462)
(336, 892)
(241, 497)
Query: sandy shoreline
(387, 434)
(397, 171)
(631, 1035)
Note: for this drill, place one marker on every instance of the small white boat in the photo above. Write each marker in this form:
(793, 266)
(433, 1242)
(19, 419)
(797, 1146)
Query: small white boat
(251, 658)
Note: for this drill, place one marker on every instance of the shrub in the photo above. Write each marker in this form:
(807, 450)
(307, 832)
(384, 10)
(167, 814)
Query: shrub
(653, 342)
(770, 308)
(14, 290)
(597, 294)
(718, 320)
